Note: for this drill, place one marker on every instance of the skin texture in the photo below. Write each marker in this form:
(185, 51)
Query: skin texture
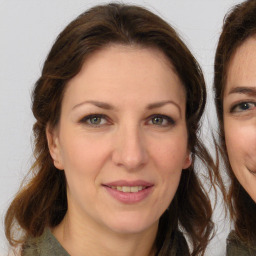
(240, 115)
(131, 141)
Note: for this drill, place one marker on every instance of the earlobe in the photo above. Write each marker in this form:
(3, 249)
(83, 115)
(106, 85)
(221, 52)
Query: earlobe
(187, 161)
(54, 147)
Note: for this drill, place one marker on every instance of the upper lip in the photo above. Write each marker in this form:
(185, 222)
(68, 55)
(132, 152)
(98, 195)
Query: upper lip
(134, 183)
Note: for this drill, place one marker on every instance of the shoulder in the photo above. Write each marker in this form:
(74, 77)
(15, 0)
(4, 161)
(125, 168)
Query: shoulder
(235, 247)
(44, 245)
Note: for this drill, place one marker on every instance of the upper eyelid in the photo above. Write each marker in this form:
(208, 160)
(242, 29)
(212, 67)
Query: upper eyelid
(239, 98)
(88, 116)
(167, 117)
(236, 104)
(162, 115)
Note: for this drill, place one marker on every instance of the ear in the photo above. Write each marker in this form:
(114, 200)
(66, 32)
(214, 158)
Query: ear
(54, 147)
(187, 160)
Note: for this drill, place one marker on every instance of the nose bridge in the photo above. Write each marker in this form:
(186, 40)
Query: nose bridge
(130, 150)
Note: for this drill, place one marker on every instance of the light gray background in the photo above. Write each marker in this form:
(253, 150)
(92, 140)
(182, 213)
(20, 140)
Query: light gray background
(28, 29)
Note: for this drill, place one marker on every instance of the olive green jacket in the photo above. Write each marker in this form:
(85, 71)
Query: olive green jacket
(235, 247)
(45, 245)
(48, 245)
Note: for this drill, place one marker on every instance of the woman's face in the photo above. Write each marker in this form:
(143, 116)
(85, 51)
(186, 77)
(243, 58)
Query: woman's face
(122, 139)
(240, 115)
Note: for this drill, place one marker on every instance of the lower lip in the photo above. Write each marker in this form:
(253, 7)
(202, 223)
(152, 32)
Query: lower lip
(130, 197)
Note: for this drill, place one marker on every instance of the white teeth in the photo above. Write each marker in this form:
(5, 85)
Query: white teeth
(127, 189)
(134, 189)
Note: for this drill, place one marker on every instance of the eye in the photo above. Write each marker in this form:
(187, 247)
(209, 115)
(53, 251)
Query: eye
(243, 106)
(161, 120)
(94, 120)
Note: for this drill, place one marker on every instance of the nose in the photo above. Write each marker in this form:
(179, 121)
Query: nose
(130, 150)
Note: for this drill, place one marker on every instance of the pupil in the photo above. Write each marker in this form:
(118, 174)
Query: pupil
(95, 120)
(157, 120)
(245, 106)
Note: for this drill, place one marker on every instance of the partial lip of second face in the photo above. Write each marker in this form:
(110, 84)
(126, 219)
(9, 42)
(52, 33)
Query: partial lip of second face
(252, 172)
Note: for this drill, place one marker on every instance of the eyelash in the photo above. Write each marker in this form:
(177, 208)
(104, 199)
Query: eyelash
(169, 120)
(88, 120)
(234, 108)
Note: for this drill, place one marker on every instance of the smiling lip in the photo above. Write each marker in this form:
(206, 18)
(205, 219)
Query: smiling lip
(129, 192)
(252, 172)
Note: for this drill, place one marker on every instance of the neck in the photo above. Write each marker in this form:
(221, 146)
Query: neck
(81, 238)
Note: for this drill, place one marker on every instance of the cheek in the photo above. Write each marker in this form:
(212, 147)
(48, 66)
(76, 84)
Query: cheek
(83, 158)
(169, 157)
(83, 154)
(240, 139)
(241, 148)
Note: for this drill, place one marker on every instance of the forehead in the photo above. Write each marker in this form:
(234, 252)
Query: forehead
(124, 71)
(149, 56)
(242, 67)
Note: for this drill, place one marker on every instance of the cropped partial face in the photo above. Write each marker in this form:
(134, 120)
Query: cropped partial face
(122, 139)
(240, 115)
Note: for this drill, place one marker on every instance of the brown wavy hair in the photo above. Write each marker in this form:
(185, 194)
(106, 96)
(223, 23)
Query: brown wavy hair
(239, 25)
(42, 202)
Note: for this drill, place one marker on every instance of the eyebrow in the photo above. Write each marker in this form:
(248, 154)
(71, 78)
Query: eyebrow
(108, 106)
(98, 104)
(251, 91)
(162, 103)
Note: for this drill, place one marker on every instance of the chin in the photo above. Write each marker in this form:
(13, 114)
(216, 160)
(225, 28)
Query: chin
(131, 225)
